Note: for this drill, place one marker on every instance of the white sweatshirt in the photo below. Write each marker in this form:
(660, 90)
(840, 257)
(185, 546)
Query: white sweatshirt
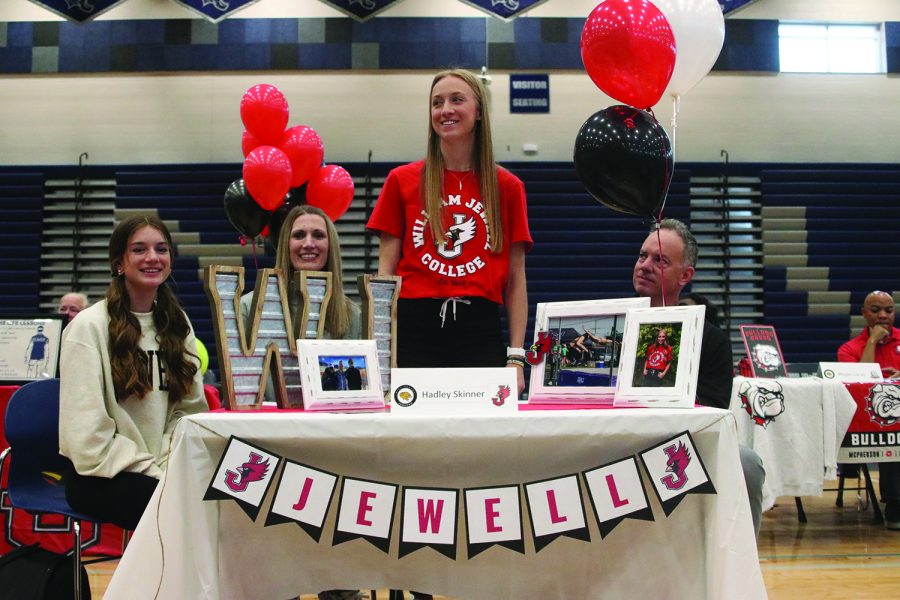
(103, 437)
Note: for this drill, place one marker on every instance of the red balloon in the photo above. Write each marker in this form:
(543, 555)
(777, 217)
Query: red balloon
(303, 147)
(330, 189)
(264, 112)
(628, 49)
(248, 143)
(267, 175)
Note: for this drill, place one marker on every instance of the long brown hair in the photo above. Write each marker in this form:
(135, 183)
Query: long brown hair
(482, 162)
(129, 364)
(338, 313)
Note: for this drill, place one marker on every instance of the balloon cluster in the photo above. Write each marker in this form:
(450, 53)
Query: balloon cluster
(282, 167)
(622, 154)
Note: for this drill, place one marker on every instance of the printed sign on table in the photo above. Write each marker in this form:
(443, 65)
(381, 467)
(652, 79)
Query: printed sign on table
(764, 351)
(874, 432)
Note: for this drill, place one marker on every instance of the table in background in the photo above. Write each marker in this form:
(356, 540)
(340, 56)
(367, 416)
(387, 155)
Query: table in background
(185, 547)
(799, 445)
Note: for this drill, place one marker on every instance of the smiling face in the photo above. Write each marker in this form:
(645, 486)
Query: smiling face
(147, 261)
(308, 245)
(454, 110)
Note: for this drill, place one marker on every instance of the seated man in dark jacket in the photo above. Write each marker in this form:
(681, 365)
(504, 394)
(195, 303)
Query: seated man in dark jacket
(670, 272)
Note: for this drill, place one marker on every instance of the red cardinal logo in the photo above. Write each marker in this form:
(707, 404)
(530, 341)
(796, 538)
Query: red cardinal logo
(539, 348)
(247, 473)
(502, 395)
(676, 464)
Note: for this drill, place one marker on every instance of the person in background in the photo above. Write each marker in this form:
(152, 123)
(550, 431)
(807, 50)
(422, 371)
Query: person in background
(354, 378)
(72, 303)
(879, 342)
(129, 371)
(455, 227)
(308, 241)
(661, 275)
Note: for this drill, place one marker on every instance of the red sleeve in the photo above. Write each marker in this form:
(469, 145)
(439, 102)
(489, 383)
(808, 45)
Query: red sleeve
(387, 215)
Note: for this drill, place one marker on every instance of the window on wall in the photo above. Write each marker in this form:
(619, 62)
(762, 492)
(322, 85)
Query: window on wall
(823, 48)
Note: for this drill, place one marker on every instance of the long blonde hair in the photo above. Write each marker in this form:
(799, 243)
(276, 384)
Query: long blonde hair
(128, 362)
(338, 313)
(482, 162)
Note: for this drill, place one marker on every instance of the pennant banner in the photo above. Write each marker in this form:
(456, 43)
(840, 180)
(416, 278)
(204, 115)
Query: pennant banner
(361, 10)
(556, 510)
(616, 494)
(78, 11)
(676, 469)
(505, 9)
(302, 496)
(244, 475)
(428, 518)
(366, 510)
(494, 518)
(215, 10)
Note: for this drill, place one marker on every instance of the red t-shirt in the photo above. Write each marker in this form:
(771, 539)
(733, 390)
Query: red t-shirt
(464, 265)
(658, 357)
(887, 354)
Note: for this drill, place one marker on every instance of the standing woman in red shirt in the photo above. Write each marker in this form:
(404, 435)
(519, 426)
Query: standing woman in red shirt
(455, 227)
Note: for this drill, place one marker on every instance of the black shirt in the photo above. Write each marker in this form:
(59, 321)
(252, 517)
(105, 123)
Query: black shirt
(716, 368)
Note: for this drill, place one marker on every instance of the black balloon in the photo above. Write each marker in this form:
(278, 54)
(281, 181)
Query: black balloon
(624, 159)
(248, 217)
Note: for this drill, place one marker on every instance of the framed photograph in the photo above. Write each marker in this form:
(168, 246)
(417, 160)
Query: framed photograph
(340, 375)
(660, 357)
(29, 348)
(577, 347)
(763, 351)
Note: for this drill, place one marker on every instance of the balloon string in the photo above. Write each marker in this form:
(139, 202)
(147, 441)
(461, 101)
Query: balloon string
(662, 266)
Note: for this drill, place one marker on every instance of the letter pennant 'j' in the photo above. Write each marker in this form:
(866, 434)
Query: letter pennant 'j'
(244, 475)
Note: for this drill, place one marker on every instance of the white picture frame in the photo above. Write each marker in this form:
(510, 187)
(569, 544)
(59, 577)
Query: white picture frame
(29, 348)
(559, 379)
(324, 390)
(673, 384)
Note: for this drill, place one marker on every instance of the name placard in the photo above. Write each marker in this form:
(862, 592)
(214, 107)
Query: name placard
(488, 391)
(849, 372)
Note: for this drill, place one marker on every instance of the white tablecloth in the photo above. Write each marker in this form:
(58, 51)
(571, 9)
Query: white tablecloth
(187, 548)
(799, 445)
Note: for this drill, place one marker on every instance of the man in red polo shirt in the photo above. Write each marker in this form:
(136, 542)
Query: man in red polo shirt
(879, 342)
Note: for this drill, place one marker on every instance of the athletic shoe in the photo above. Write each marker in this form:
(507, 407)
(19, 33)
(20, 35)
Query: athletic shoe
(892, 515)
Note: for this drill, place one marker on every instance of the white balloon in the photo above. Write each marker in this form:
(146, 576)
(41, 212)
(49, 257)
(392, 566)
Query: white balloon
(699, 29)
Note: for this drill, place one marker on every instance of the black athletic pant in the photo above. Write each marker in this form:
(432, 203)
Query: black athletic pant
(120, 500)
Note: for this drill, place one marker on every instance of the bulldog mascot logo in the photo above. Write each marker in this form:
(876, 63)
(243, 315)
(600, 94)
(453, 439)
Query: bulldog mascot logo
(763, 400)
(765, 358)
(883, 404)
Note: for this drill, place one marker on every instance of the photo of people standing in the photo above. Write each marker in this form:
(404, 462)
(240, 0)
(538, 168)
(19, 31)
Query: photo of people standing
(343, 373)
(658, 354)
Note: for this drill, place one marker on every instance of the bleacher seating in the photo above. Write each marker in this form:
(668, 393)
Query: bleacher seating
(827, 230)
(21, 202)
(835, 242)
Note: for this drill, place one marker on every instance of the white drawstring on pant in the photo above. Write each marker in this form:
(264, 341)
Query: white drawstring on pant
(453, 299)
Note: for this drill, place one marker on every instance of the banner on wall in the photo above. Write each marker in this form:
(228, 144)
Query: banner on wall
(78, 11)
(429, 517)
(215, 10)
(504, 9)
(361, 10)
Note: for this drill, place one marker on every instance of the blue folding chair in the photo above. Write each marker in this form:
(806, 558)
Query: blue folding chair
(33, 484)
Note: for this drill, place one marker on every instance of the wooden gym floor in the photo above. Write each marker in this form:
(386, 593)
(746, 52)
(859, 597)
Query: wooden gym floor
(838, 554)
